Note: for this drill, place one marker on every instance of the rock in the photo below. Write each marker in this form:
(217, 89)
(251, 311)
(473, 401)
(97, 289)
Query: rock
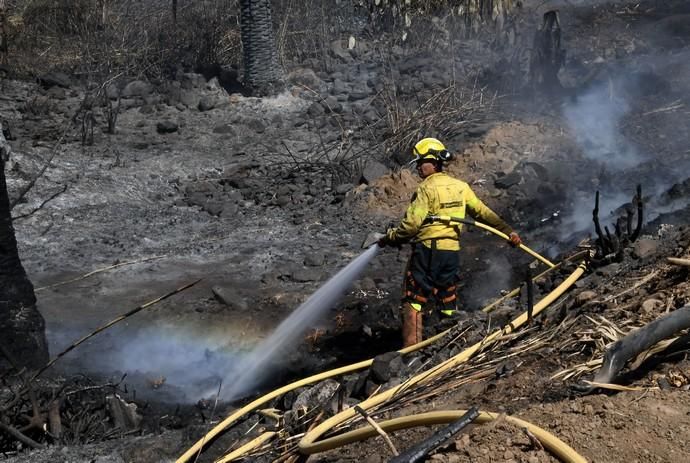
(332, 105)
(229, 80)
(316, 109)
(583, 297)
(385, 367)
(357, 95)
(230, 209)
(371, 171)
(651, 306)
(316, 396)
(343, 188)
(136, 88)
(128, 103)
(478, 130)
(166, 127)
(207, 103)
(305, 275)
(147, 109)
(224, 129)
(340, 52)
(57, 93)
(55, 79)
(315, 259)
(230, 297)
(306, 77)
(508, 180)
(463, 442)
(256, 124)
(645, 247)
(189, 98)
(214, 207)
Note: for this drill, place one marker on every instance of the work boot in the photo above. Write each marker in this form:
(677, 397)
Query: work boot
(411, 324)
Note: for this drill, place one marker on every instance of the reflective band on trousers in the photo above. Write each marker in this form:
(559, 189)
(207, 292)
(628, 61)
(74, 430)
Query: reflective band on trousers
(450, 313)
(416, 306)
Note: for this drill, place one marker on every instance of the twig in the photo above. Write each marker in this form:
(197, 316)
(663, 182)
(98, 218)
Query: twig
(104, 269)
(213, 411)
(111, 323)
(47, 164)
(533, 439)
(378, 429)
(642, 282)
(46, 201)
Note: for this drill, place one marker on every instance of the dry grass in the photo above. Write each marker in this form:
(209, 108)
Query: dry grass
(98, 40)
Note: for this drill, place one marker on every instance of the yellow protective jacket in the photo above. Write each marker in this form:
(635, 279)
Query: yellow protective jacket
(441, 194)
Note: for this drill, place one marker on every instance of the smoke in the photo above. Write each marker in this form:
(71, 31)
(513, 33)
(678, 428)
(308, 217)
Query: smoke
(477, 291)
(594, 118)
(252, 369)
(163, 363)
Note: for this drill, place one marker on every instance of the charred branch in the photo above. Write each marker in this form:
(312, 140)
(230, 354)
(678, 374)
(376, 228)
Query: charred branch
(611, 246)
(640, 206)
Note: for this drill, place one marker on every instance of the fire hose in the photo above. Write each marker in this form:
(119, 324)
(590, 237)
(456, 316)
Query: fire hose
(500, 234)
(308, 444)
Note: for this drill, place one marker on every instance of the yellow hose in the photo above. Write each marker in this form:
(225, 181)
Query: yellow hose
(248, 447)
(230, 420)
(309, 445)
(517, 290)
(553, 444)
(522, 246)
(234, 417)
(500, 234)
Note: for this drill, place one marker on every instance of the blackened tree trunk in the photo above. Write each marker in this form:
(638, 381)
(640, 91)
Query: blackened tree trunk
(262, 73)
(22, 329)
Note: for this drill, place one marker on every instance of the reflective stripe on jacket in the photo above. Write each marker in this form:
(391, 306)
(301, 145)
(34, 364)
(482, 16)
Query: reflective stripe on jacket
(441, 194)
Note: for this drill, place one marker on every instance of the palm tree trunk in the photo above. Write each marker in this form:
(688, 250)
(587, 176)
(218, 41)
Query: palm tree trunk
(22, 328)
(262, 74)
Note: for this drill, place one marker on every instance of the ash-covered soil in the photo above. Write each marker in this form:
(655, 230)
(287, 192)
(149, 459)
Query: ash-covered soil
(265, 198)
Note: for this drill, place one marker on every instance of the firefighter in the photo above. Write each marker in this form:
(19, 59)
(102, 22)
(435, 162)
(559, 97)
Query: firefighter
(432, 270)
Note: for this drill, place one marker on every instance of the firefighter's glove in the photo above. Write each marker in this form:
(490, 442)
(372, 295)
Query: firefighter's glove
(515, 240)
(387, 241)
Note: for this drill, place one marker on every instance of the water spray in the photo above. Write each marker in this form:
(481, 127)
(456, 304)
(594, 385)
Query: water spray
(252, 369)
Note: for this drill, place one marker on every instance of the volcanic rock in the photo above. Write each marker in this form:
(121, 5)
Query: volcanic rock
(386, 366)
(166, 127)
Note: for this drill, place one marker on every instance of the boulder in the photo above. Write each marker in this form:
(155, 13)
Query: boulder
(55, 79)
(316, 396)
(189, 98)
(508, 180)
(385, 367)
(224, 129)
(316, 109)
(230, 297)
(371, 171)
(645, 247)
(315, 259)
(166, 127)
(306, 77)
(304, 275)
(207, 103)
(136, 88)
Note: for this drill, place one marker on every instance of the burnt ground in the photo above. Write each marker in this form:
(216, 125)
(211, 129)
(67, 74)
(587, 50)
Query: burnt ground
(266, 198)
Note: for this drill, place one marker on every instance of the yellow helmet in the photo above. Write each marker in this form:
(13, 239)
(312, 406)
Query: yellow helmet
(432, 149)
